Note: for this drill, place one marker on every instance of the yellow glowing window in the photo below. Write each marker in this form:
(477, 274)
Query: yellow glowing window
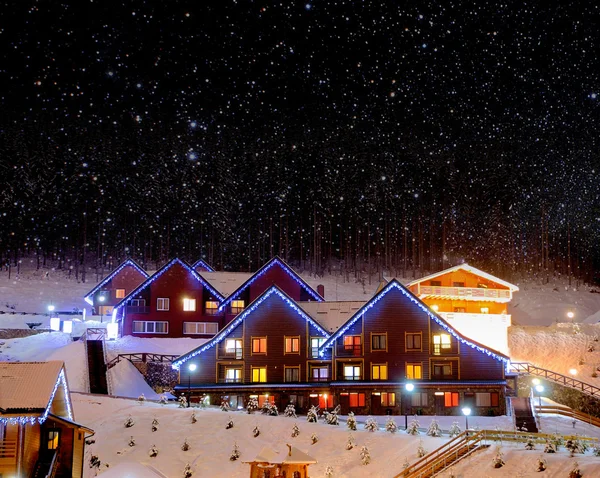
(120, 293)
(259, 374)
(352, 372)
(53, 439)
(485, 310)
(292, 345)
(211, 307)
(441, 341)
(259, 345)
(189, 305)
(237, 305)
(379, 372)
(414, 371)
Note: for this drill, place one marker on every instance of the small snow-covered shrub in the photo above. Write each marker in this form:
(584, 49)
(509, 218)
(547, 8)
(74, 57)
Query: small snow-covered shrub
(224, 405)
(365, 456)
(142, 399)
(413, 427)
(529, 443)
(351, 421)
(153, 451)
(235, 453)
(575, 471)
(434, 429)
(95, 462)
(229, 424)
(454, 430)
(331, 418)
(270, 409)
(314, 438)
(129, 422)
(541, 465)
(185, 446)
(193, 417)
(550, 447)
(313, 414)
(290, 411)
(390, 425)
(252, 405)
(371, 424)
(131, 441)
(350, 443)
(421, 452)
(182, 401)
(154, 424)
(498, 461)
(295, 431)
(256, 431)
(187, 471)
(328, 472)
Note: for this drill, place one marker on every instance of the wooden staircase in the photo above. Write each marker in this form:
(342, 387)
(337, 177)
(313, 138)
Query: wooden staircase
(525, 368)
(96, 361)
(46, 466)
(524, 418)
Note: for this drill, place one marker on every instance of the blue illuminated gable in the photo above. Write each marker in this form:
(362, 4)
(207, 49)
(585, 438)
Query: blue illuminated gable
(273, 262)
(159, 273)
(393, 285)
(273, 291)
(204, 265)
(128, 262)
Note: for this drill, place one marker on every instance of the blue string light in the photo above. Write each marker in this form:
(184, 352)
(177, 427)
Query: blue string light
(263, 270)
(200, 262)
(128, 262)
(165, 268)
(394, 284)
(61, 381)
(241, 317)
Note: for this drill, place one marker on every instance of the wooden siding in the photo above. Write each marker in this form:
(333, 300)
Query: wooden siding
(128, 278)
(468, 278)
(8, 465)
(31, 447)
(175, 284)
(78, 448)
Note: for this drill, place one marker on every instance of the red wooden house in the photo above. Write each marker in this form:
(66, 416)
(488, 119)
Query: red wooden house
(274, 272)
(395, 340)
(202, 266)
(174, 302)
(270, 350)
(115, 286)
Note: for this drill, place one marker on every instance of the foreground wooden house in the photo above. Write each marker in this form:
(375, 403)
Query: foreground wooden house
(471, 300)
(38, 436)
(270, 351)
(115, 286)
(270, 464)
(174, 302)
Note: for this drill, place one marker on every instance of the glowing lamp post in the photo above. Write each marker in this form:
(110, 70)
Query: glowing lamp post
(51, 308)
(570, 314)
(573, 371)
(539, 389)
(466, 412)
(191, 368)
(409, 387)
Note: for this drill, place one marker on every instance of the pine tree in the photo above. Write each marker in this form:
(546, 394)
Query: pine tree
(406, 463)
(390, 425)
(295, 431)
(332, 418)
(229, 424)
(413, 427)
(154, 424)
(224, 405)
(371, 424)
(350, 443)
(141, 399)
(290, 411)
(131, 441)
(365, 457)
(153, 451)
(575, 471)
(434, 429)
(256, 431)
(550, 447)
(187, 471)
(454, 430)
(270, 409)
(129, 422)
(163, 399)
(541, 465)
(95, 461)
(185, 446)
(182, 401)
(314, 438)
(193, 418)
(421, 452)
(530, 444)
(313, 414)
(235, 453)
(252, 405)
(498, 460)
(351, 421)
(596, 450)
(328, 472)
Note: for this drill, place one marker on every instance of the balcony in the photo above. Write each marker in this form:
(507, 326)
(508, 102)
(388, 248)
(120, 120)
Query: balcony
(500, 319)
(138, 309)
(234, 355)
(349, 351)
(465, 293)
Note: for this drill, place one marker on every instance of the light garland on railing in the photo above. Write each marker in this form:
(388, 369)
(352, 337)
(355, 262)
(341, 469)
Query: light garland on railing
(265, 268)
(360, 314)
(240, 318)
(165, 268)
(60, 381)
(128, 262)
(200, 262)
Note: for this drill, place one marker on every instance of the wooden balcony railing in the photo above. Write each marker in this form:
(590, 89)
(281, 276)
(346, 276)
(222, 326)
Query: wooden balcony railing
(505, 319)
(8, 452)
(349, 351)
(473, 293)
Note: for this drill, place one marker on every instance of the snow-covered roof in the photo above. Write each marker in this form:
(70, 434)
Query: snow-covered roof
(226, 282)
(28, 385)
(292, 456)
(331, 314)
(203, 264)
(288, 270)
(119, 268)
(132, 470)
(466, 267)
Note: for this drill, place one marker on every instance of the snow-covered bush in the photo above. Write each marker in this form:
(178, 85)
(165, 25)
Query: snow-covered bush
(541, 465)
(371, 424)
(406, 464)
(550, 447)
(182, 401)
(434, 429)
(95, 462)
(193, 417)
(235, 453)
(314, 438)
(421, 452)
(224, 405)
(313, 414)
(351, 421)
(252, 405)
(270, 409)
(413, 427)
(596, 450)
(255, 431)
(154, 424)
(141, 399)
(187, 471)
(575, 471)
(529, 443)
(163, 399)
(332, 418)
(390, 425)
(365, 456)
(290, 411)
(328, 472)
(185, 446)
(153, 451)
(295, 431)
(498, 461)
(454, 430)
(229, 424)
(129, 422)
(131, 441)
(350, 443)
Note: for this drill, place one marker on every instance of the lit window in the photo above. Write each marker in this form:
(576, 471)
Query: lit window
(211, 307)
(292, 374)
(355, 399)
(451, 399)
(413, 342)
(234, 347)
(53, 439)
(237, 306)
(120, 293)
(292, 345)
(259, 345)
(162, 303)
(315, 343)
(189, 305)
(414, 371)
(259, 374)
(485, 310)
(441, 341)
(379, 342)
(233, 375)
(352, 344)
(351, 372)
(319, 374)
(388, 399)
(379, 372)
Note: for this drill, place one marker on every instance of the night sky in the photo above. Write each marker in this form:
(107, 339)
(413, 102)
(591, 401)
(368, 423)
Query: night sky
(208, 122)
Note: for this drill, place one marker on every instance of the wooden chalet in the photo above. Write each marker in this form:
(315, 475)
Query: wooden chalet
(270, 350)
(202, 266)
(174, 302)
(270, 464)
(474, 302)
(115, 286)
(394, 340)
(38, 436)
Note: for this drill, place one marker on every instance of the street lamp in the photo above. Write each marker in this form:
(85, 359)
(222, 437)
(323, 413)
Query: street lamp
(573, 371)
(570, 314)
(409, 387)
(191, 368)
(466, 412)
(51, 308)
(539, 389)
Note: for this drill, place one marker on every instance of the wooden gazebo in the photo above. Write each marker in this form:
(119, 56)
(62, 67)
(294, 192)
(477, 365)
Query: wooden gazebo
(270, 464)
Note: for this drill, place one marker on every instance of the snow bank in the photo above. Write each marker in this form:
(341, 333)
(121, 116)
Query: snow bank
(127, 381)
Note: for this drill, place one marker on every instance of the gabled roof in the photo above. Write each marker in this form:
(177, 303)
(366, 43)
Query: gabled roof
(273, 262)
(120, 267)
(292, 457)
(203, 264)
(394, 284)
(473, 270)
(28, 389)
(160, 272)
(273, 290)
(226, 282)
(331, 314)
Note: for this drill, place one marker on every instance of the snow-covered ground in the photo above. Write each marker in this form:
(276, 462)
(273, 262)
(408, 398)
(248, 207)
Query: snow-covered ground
(211, 443)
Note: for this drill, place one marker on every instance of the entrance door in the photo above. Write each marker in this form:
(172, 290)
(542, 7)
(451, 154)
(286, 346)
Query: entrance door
(439, 405)
(376, 408)
(52, 441)
(344, 404)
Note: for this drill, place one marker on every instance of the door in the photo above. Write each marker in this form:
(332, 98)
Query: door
(439, 405)
(344, 404)
(376, 408)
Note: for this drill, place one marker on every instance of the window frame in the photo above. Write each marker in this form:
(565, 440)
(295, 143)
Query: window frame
(235, 306)
(235, 348)
(258, 368)
(443, 366)
(291, 367)
(260, 339)
(146, 322)
(441, 346)
(235, 379)
(379, 335)
(359, 396)
(354, 348)
(165, 301)
(189, 305)
(52, 442)
(452, 396)
(204, 324)
(354, 366)
(321, 341)
(120, 293)
(419, 399)
(413, 364)
(380, 367)
(313, 367)
(211, 310)
(413, 335)
(291, 338)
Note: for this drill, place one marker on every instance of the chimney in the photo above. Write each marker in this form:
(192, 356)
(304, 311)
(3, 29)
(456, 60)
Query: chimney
(321, 290)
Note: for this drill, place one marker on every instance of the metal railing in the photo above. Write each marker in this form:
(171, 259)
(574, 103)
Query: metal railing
(570, 382)
(142, 357)
(53, 465)
(568, 412)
